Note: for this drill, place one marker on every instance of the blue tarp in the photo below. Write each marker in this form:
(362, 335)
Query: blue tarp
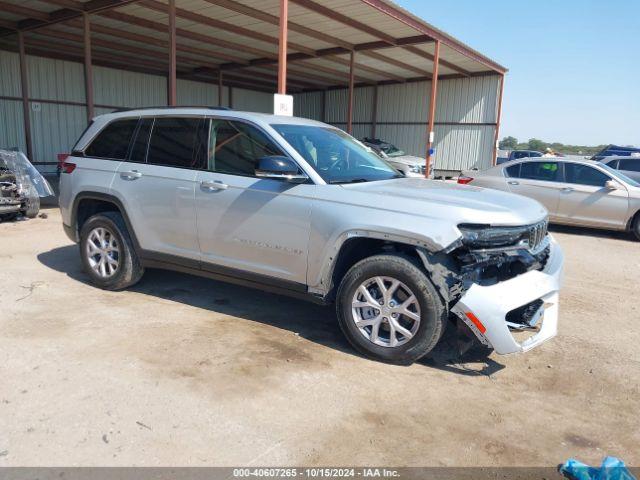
(611, 469)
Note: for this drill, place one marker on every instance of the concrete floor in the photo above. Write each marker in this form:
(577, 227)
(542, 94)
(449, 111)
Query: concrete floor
(185, 371)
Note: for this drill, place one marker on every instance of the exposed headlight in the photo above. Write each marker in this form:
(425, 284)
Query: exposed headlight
(483, 236)
(417, 169)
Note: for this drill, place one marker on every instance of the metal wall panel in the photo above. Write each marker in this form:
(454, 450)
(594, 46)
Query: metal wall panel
(407, 102)
(120, 88)
(55, 129)
(308, 105)
(468, 100)
(200, 94)
(10, 74)
(462, 147)
(12, 125)
(337, 102)
(51, 79)
(252, 101)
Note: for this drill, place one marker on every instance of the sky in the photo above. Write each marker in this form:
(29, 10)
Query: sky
(574, 65)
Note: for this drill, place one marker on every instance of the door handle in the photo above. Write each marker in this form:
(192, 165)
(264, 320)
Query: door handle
(131, 175)
(513, 182)
(567, 190)
(215, 185)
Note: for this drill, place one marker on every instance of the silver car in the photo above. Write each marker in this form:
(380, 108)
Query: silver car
(629, 166)
(298, 207)
(575, 192)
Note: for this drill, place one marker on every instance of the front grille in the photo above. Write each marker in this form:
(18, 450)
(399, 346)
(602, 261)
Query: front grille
(537, 234)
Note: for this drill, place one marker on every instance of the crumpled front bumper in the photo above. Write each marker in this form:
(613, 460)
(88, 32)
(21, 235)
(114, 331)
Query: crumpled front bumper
(484, 309)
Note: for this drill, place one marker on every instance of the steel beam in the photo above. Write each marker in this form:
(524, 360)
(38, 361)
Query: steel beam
(352, 80)
(432, 106)
(172, 84)
(88, 67)
(282, 47)
(24, 83)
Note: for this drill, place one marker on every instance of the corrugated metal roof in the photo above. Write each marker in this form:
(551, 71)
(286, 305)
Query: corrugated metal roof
(239, 35)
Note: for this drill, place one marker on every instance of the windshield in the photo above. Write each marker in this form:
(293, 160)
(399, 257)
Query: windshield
(620, 176)
(336, 156)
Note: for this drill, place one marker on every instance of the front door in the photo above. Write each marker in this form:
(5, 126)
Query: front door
(539, 180)
(250, 226)
(158, 182)
(584, 199)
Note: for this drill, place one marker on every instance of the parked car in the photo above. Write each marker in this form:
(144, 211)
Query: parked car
(298, 207)
(629, 165)
(517, 154)
(409, 165)
(616, 151)
(21, 186)
(575, 192)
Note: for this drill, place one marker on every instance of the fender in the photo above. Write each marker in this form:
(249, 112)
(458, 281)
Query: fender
(325, 285)
(89, 195)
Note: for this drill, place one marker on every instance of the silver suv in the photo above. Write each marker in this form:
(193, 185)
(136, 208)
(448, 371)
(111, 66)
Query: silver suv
(298, 207)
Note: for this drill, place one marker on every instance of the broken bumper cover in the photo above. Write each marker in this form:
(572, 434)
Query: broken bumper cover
(485, 308)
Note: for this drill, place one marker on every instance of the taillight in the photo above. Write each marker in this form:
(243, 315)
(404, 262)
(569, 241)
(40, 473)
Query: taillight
(68, 167)
(465, 180)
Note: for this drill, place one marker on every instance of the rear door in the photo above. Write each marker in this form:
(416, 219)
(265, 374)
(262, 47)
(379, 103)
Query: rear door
(540, 180)
(249, 225)
(157, 185)
(584, 199)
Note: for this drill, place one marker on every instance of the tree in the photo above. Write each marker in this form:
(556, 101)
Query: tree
(508, 143)
(539, 145)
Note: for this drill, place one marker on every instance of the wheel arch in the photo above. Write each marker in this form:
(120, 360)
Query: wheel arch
(87, 204)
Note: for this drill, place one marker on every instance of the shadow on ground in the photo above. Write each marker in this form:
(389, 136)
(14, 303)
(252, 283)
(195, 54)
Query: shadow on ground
(592, 232)
(313, 322)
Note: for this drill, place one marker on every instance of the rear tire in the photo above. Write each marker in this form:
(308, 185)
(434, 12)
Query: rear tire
(635, 226)
(379, 325)
(107, 252)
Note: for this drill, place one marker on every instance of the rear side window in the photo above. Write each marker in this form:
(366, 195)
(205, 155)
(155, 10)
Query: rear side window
(585, 175)
(175, 142)
(141, 142)
(544, 171)
(113, 141)
(630, 165)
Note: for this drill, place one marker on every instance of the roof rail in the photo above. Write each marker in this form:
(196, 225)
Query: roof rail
(120, 110)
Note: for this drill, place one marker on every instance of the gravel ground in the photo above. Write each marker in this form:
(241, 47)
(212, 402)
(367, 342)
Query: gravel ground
(184, 371)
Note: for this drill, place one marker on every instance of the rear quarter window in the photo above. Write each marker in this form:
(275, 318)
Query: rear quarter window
(113, 141)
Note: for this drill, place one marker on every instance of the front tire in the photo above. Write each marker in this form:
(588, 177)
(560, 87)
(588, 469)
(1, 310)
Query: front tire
(107, 252)
(635, 226)
(389, 309)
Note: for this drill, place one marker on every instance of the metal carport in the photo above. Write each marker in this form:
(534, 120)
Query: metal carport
(367, 66)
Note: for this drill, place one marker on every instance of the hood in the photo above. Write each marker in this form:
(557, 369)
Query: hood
(447, 202)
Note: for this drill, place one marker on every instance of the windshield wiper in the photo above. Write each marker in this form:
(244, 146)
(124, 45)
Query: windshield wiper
(354, 180)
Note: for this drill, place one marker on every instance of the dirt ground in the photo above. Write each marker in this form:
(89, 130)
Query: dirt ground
(184, 371)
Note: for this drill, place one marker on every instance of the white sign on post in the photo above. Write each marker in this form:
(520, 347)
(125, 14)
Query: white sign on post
(283, 105)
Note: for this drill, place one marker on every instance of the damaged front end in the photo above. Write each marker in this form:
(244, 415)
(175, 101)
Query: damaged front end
(21, 186)
(505, 279)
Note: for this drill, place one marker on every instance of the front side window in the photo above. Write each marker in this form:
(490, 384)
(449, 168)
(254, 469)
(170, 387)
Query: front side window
(113, 141)
(544, 171)
(336, 156)
(513, 171)
(177, 142)
(585, 175)
(235, 148)
(141, 141)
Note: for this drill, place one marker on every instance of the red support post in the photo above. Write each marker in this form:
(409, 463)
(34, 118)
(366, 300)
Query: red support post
(220, 87)
(88, 68)
(282, 47)
(172, 84)
(351, 86)
(498, 119)
(432, 107)
(24, 83)
(374, 113)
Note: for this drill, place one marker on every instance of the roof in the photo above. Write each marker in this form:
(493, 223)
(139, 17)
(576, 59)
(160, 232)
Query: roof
(240, 39)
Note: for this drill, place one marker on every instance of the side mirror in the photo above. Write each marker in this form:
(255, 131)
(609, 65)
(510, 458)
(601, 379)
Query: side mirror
(611, 185)
(280, 168)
